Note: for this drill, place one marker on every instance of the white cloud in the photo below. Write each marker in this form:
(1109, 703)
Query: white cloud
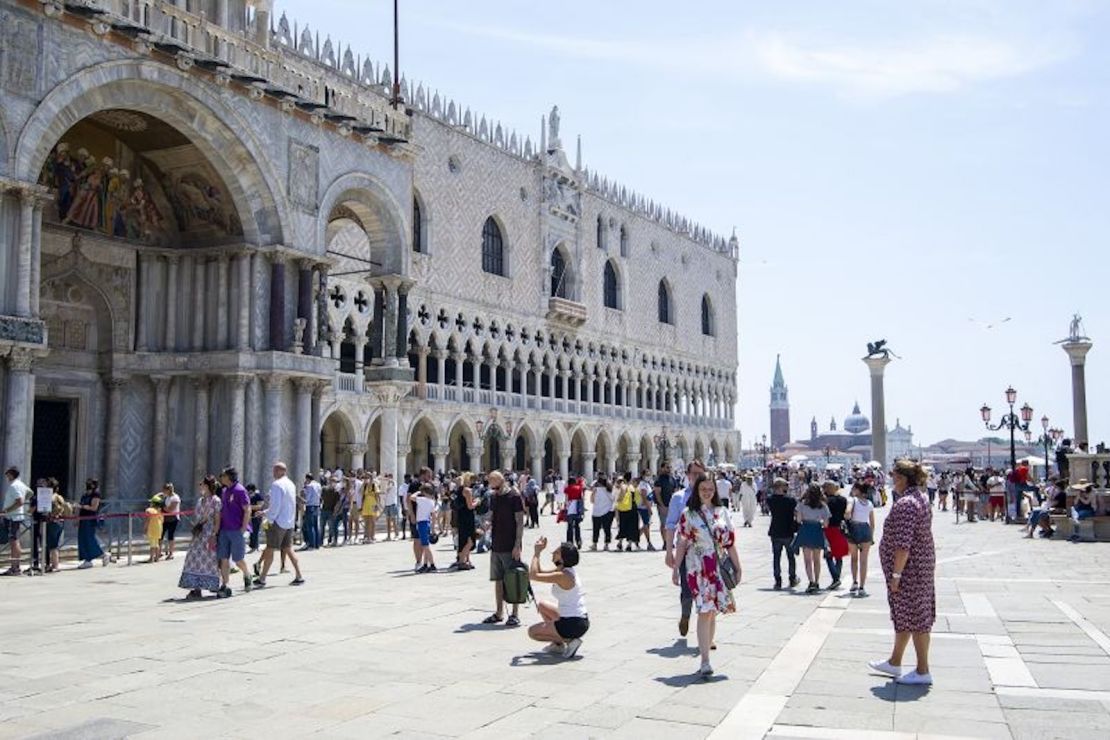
(933, 65)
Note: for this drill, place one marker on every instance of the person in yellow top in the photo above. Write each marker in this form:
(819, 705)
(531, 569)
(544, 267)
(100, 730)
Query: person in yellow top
(154, 527)
(628, 518)
(370, 508)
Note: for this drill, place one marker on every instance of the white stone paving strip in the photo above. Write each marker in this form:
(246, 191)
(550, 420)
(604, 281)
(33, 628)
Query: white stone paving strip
(1084, 624)
(1061, 694)
(978, 605)
(828, 733)
(755, 714)
(1004, 663)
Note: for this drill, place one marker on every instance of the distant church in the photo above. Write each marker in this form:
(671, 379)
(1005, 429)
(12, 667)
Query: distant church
(854, 437)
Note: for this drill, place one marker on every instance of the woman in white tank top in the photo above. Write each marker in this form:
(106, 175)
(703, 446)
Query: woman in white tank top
(565, 620)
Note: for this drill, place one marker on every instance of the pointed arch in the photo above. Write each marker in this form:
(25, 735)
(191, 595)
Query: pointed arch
(665, 303)
(611, 286)
(494, 258)
(708, 318)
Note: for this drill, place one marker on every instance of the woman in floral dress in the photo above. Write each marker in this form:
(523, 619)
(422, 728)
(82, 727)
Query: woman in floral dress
(704, 535)
(909, 563)
(201, 571)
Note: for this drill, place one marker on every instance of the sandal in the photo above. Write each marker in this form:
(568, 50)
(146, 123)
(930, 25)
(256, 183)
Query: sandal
(493, 619)
(512, 621)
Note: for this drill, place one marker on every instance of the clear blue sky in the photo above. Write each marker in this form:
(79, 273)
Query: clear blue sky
(912, 171)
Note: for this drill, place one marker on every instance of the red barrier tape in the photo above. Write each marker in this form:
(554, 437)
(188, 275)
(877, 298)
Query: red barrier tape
(137, 514)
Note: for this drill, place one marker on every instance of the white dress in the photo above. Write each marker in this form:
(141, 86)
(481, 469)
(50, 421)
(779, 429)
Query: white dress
(747, 501)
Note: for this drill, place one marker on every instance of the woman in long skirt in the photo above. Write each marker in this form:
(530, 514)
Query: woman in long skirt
(628, 518)
(201, 571)
(88, 548)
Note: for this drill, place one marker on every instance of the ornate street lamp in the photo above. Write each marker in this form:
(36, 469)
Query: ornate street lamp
(761, 448)
(1012, 422)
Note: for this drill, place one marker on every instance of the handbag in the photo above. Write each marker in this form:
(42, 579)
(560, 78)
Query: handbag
(726, 569)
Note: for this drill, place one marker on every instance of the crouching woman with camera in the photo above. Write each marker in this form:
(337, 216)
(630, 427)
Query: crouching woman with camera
(565, 620)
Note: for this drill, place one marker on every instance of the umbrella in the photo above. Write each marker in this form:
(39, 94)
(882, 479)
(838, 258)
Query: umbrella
(1033, 460)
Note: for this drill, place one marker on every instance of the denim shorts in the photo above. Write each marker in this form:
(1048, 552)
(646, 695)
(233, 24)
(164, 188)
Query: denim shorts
(424, 531)
(230, 545)
(390, 511)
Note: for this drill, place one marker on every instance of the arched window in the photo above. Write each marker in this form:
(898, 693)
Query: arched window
(493, 249)
(417, 226)
(665, 315)
(707, 327)
(559, 287)
(600, 233)
(624, 241)
(612, 287)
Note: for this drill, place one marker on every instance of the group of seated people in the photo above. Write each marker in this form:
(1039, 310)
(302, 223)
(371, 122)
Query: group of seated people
(1056, 502)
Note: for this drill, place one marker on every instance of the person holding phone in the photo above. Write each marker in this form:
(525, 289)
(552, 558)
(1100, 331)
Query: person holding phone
(565, 620)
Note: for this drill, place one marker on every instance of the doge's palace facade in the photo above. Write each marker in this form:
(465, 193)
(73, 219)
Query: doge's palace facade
(220, 244)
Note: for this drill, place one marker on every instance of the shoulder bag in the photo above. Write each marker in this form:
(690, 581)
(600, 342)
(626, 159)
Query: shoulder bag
(726, 569)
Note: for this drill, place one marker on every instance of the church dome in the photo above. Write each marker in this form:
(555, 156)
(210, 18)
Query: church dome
(856, 423)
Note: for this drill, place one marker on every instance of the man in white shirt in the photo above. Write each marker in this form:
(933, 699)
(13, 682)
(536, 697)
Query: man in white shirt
(16, 496)
(724, 491)
(312, 529)
(280, 517)
(388, 488)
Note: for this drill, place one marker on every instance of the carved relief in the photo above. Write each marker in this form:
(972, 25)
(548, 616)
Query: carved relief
(304, 176)
(19, 54)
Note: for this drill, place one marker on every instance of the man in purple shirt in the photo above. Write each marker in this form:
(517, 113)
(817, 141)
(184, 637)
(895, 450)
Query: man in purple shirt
(234, 523)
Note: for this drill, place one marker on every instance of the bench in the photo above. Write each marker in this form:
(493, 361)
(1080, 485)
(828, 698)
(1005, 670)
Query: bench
(1096, 529)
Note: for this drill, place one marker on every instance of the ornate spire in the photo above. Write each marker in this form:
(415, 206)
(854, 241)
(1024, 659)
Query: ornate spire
(780, 383)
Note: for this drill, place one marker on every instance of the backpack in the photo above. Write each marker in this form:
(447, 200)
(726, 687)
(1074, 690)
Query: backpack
(515, 582)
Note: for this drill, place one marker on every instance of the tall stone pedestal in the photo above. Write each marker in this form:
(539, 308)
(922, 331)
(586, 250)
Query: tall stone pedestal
(1077, 350)
(877, 365)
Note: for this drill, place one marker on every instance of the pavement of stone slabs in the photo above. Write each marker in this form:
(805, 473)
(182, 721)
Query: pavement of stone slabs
(368, 649)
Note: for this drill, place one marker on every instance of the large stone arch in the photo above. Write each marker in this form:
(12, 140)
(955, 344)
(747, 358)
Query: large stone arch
(337, 435)
(180, 100)
(422, 438)
(464, 447)
(68, 299)
(366, 201)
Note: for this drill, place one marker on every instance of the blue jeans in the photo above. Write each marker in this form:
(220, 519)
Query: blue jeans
(310, 528)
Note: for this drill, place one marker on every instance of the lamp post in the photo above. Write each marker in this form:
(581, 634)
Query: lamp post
(663, 443)
(1050, 436)
(761, 448)
(1012, 422)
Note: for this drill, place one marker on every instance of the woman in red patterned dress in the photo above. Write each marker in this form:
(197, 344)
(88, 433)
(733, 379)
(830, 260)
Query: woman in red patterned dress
(703, 536)
(909, 564)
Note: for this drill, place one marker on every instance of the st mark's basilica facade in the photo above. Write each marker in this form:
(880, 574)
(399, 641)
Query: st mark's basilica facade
(221, 245)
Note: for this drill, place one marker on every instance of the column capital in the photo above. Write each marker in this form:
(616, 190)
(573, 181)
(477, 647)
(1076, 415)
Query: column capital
(390, 394)
(877, 363)
(238, 380)
(20, 360)
(589, 456)
(355, 448)
(172, 259)
(306, 385)
(273, 383)
(441, 450)
(201, 382)
(117, 382)
(1077, 350)
(161, 382)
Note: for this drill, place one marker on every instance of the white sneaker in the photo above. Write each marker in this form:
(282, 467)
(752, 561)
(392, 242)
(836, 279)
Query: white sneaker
(84, 564)
(571, 647)
(554, 647)
(913, 678)
(884, 666)
(706, 669)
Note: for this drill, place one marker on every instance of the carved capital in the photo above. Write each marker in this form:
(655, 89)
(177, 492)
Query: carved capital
(390, 394)
(116, 383)
(589, 456)
(306, 385)
(273, 383)
(20, 360)
(238, 380)
(201, 382)
(161, 383)
(441, 451)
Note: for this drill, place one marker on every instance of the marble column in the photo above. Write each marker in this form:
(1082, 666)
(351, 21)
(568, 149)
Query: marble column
(253, 461)
(537, 467)
(244, 292)
(142, 335)
(223, 305)
(23, 255)
(459, 360)
(305, 302)
(507, 454)
(439, 457)
(389, 329)
(877, 365)
(116, 385)
(200, 414)
(200, 269)
(588, 459)
(161, 430)
(237, 384)
(273, 385)
(634, 464)
(36, 256)
(302, 454)
(358, 456)
(1077, 350)
(441, 376)
(422, 373)
(389, 395)
(401, 348)
(277, 303)
(19, 411)
(564, 464)
(316, 423)
(170, 343)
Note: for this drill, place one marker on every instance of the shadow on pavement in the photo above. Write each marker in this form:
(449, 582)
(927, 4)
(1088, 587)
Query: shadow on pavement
(680, 649)
(889, 692)
(540, 659)
(689, 679)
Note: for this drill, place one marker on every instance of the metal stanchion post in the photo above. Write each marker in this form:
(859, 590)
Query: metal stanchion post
(130, 519)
